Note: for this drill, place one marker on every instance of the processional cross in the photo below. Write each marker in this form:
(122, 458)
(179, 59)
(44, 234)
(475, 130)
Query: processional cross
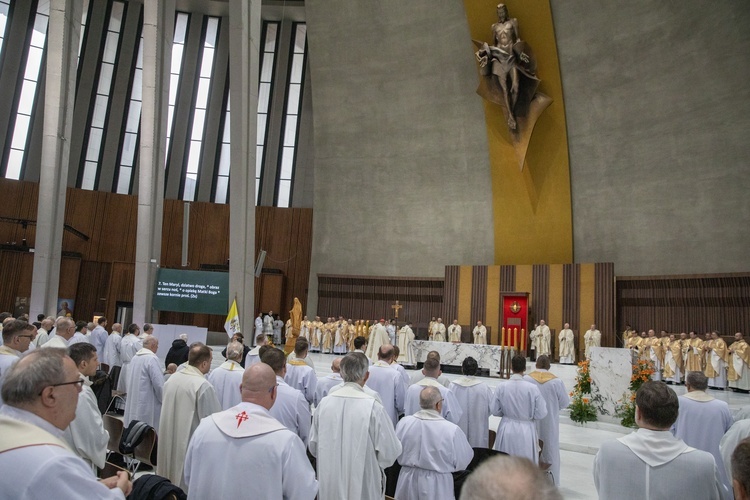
(395, 308)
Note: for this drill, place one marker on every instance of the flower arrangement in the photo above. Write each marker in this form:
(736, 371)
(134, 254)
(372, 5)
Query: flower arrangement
(581, 408)
(642, 372)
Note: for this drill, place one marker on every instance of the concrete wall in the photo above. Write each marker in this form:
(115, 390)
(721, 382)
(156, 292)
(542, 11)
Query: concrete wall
(402, 180)
(657, 98)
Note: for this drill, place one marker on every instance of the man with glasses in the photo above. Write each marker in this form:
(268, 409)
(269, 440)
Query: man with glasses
(86, 435)
(247, 441)
(17, 336)
(41, 395)
(433, 448)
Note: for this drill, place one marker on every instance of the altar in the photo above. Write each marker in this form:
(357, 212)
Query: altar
(487, 356)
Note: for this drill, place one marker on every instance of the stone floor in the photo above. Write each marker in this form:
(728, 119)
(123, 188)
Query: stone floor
(578, 444)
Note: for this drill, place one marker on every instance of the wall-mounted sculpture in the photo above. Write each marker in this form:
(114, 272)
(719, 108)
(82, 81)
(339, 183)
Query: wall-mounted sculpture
(508, 79)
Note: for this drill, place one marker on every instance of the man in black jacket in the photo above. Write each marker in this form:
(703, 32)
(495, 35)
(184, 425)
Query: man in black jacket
(179, 351)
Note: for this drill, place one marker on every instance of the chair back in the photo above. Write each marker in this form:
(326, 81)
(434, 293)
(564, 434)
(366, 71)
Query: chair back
(145, 450)
(114, 427)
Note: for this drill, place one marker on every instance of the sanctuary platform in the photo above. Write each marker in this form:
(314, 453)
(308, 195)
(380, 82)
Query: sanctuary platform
(453, 354)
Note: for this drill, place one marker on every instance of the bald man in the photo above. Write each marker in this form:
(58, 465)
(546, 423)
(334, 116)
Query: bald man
(245, 445)
(326, 383)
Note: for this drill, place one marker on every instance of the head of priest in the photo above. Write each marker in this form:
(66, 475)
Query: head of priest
(396, 354)
(455, 322)
(134, 329)
(741, 470)
(683, 336)
(431, 399)
(171, 368)
(82, 326)
(656, 406)
(17, 335)
(151, 343)
(148, 329)
(46, 383)
(566, 326)
(541, 322)
(360, 343)
(738, 336)
(479, 323)
(431, 368)
(518, 364)
(84, 356)
(593, 327)
(238, 337)
(354, 368)
(696, 381)
(48, 324)
(336, 365)
(440, 320)
(65, 327)
(714, 335)
(300, 348)
(671, 337)
(651, 333)
(234, 351)
(276, 360)
(509, 478)
(261, 339)
(385, 353)
(469, 367)
(542, 362)
(259, 385)
(90, 326)
(117, 327)
(200, 356)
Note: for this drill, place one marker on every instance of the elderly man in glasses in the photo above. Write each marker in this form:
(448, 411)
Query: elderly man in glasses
(41, 395)
(17, 336)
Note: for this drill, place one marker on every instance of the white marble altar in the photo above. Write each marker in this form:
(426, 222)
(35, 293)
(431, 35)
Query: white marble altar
(487, 356)
(610, 370)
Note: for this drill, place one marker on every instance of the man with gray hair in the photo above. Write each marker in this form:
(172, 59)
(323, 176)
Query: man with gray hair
(42, 335)
(703, 420)
(227, 378)
(146, 383)
(65, 328)
(433, 448)
(508, 478)
(41, 395)
(352, 437)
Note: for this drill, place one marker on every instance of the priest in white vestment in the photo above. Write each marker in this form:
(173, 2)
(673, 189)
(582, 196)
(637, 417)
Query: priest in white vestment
(325, 384)
(405, 338)
(521, 405)
(716, 361)
(702, 422)
(146, 382)
(227, 377)
(454, 332)
(258, 325)
(112, 348)
(544, 338)
(378, 337)
(432, 449)
(34, 456)
(450, 409)
(390, 328)
(129, 347)
(397, 366)
(85, 434)
(291, 407)
(567, 345)
(739, 364)
(592, 338)
(244, 451)
(188, 397)
(98, 336)
(556, 398)
(299, 375)
(268, 324)
(651, 462)
(473, 397)
(480, 333)
(437, 331)
(16, 337)
(352, 438)
(65, 328)
(419, 375)
(253, 355)
(739, 431)
(386, 381)
(42, 335)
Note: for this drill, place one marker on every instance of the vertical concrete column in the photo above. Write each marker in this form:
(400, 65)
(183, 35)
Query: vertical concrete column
(63, 35)
(244, 64)
(158, 33)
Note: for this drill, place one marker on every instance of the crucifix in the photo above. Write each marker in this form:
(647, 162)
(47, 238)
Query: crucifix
(395, 308)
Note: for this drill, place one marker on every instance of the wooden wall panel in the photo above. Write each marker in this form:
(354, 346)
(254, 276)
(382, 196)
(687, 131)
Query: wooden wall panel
(450, 296)
(93, 284)
(492, 319)
(540, 291)
(478, 301)
(464, 296)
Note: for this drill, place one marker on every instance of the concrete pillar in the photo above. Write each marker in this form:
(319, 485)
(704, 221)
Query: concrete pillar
(158, 33)
(63, 34)
(244, 43)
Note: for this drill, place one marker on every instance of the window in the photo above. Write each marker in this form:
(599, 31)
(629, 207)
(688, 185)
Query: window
(290, 129)
(178, 49)
(27, 100)
(221, 192)
(88, 177)
(192, 165)
(4, 9)
(265, 90)
(129, 146)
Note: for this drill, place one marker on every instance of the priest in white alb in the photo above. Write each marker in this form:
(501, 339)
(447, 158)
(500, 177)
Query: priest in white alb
(146, 382)
(378, 337)
(386, 381)
(253, 355)
(244, 452)
(544, 338)
(227, 377)
(188, 397)
(129, 346)
(480, 333)
(352, 438)
(473, 397)
(592, 338)
(556, 398)
(432, 449)
(291, 407)
(567, 345)
(454, 332)
(739, 364)
(298, 374)
(437, 331)
(521, 405)
(651, 462)
(450, 409)
(405, 338)
(325, 384)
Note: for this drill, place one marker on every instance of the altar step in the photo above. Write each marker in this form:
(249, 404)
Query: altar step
(594, 433)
